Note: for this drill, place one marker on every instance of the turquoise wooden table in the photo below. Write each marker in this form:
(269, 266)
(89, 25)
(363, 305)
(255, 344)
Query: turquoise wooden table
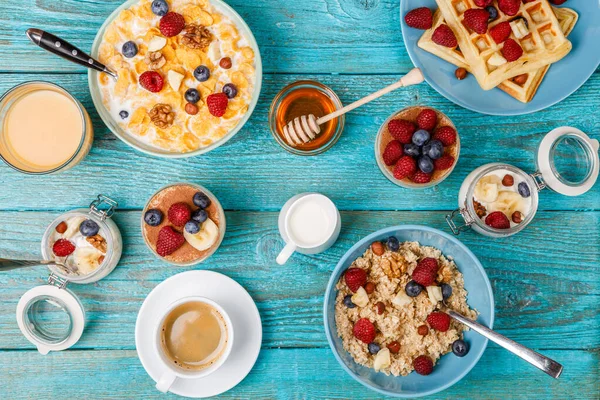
(546, 279)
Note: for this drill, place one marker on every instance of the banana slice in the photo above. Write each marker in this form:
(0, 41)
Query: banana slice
(509, 202)
(87, 259)
(206, 237)
(487, 188)
(72, 227)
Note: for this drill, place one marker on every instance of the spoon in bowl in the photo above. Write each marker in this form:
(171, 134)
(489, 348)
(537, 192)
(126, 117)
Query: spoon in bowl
(7, 264)
(536, 359)
(66, 50)
(306, 128)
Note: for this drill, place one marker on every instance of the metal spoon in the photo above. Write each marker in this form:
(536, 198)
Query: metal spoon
(66, 50)
(542, 362)
(7, 264)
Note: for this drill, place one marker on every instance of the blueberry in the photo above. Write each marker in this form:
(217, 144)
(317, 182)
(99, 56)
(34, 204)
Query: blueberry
(201, 200)
(412, 150)
(230, 90)
(425, 164)
(434, 149)
(446, 290)
(420, 137)
(374, 348)
(192, 96)
(160, 7)
(202, 73)
(524, 190)
(192, 227)
(153, 217)
(348, 301)
(129, 49)
(123, 114)
(89, 228)
(493, 13)
(392, 243)
(413, 289)
(460, 348)
(199, 215)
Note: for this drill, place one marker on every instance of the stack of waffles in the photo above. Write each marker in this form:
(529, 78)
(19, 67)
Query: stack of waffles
(537, 27)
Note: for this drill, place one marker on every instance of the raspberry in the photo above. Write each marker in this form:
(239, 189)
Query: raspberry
(444, 162)
(168, 241)
(446, 135)
(511, 50)
(483, 3)
(364, 330)
(171, 24)
(392, 153)
(430, 263)
(179, 214)
(401, 130)
(421, 177)
(424, 275)
(217, 104)
(427, 119)
(476, 19)
(557, 2)
(151, 81)
(420, 18)
(497, 220)
(63, 247)
(406, 166)
(509, 7)
(423, 365)
(355, 278)
(439, 321)
(500, 32)
(444, 36)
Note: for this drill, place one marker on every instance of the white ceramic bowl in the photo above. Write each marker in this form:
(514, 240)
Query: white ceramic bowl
(131, 140)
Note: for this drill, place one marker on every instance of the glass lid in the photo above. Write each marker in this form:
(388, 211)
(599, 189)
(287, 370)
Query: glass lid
(567, 161)
(50, 317)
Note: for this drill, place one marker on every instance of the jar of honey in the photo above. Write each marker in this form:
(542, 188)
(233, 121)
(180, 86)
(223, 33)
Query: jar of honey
(303, 98)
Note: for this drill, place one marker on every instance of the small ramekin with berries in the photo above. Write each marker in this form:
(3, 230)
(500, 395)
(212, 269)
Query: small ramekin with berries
(417, 147)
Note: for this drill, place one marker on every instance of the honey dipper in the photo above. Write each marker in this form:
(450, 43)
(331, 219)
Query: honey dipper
(307, 127)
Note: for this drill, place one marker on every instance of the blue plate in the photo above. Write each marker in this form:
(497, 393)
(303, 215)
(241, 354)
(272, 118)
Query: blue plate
(562, 79)
(449, 369)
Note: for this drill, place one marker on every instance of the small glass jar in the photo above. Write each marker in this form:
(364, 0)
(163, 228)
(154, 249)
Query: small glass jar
(51, 316)
(567, 163)
(303, 98)
(30, 155)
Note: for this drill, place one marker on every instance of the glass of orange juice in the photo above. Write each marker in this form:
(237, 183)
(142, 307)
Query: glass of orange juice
(43, 128)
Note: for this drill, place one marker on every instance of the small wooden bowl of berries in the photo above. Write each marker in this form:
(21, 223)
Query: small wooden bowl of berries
(417, 147)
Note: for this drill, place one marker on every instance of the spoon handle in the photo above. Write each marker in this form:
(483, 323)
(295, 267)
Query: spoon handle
(7, 264)
(544, 363)
(66, 50)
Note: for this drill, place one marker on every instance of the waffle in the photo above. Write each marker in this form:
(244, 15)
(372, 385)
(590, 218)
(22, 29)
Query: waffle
(567, 19)
(544, 45)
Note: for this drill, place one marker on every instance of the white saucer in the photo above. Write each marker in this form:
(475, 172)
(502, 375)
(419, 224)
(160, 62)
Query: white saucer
(244, 317)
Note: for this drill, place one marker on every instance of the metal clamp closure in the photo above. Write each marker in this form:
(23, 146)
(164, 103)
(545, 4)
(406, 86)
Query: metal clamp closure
(539, 180)
(99, 209)
(466, 217)
(57, 281)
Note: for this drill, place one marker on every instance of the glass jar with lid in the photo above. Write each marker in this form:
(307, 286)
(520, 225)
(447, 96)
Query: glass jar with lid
(51, 316)
(500, 200)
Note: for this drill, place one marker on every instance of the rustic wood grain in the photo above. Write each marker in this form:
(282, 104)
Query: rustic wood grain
(253, 172)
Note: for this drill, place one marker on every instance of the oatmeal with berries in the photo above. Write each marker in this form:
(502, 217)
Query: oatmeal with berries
(186, 74)
(389, 311)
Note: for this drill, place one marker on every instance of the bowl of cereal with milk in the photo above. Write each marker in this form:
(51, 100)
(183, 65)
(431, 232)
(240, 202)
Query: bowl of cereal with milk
(189, 75)
(385, 304)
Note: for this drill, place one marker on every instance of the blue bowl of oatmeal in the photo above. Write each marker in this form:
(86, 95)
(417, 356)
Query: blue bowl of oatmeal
(448, 369)
(189, 135)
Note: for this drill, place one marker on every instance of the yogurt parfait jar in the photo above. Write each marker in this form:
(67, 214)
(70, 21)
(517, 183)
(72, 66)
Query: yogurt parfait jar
(500, 200)
(51, 316)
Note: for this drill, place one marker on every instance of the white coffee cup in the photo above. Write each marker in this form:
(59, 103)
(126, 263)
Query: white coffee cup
(309, 223)
(171, 372)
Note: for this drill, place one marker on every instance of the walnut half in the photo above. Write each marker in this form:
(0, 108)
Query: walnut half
(155, 60)
(98, 242)
(161, 115)
(196, 36)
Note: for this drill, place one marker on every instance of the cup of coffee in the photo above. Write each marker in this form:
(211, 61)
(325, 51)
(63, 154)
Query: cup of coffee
(193, 338)
(309, 223)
